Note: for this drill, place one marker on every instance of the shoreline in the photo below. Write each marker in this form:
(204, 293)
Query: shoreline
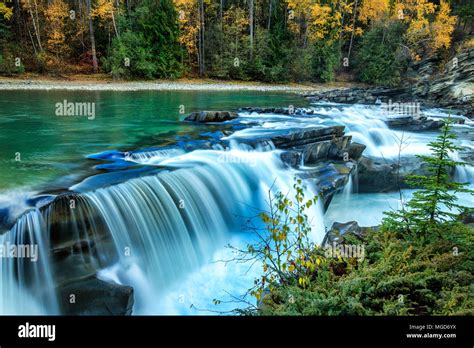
(84, 84)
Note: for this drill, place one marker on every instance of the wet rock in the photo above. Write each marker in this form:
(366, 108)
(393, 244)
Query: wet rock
(339, 147)
(314, 152)
(414, 124)
(356, 150)
(93, 296)
(292, 158)
(211, 116)
(6, 222)
(341, 231)
(309, 136)
(328, 178)
(315, 144)
(376, 177)
(382, 175)
(468, 218)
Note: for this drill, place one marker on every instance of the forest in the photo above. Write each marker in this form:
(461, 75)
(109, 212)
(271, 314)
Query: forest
(370, 41)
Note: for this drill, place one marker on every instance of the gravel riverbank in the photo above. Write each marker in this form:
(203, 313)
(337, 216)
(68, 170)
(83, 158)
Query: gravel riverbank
(13, 84)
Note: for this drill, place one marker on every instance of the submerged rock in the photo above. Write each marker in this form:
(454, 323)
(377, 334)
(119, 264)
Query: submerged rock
(211, 116)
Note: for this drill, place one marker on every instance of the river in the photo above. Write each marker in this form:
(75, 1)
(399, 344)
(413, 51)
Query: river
(168, 195)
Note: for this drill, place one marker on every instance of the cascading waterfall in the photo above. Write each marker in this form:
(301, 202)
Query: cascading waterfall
(172, 223)
(163, 226)
(26, 283)
(362, 122)
(144, 156)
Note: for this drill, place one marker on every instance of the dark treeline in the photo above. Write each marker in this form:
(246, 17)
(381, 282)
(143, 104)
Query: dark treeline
(371, 41)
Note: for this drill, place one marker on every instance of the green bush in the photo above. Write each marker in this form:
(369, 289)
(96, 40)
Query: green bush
(325, 60)
(8, 65)
(399, 277)
(128, 58)
(150, 42)
(380, 57)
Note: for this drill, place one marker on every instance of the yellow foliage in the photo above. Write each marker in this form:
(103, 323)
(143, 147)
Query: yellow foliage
(55, 13)
(323, 19)
(103, 9)
(424, 34)
(7, 12)
(443, 27)
(373, 10)
(188, 23)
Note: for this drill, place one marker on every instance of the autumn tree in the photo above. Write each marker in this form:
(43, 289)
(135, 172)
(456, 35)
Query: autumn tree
(55, 13)
(189, 26)
(425, 35)
(104, 10)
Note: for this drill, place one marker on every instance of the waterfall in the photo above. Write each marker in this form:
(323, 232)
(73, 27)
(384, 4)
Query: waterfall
(161, 227)
(464, 174)
(168, 225)
(364, 123)
(26, 283)
(348, 189)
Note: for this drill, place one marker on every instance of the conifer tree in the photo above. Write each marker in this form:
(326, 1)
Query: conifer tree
(436, 202)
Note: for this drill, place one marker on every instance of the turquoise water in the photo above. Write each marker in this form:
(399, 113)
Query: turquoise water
(50, 147)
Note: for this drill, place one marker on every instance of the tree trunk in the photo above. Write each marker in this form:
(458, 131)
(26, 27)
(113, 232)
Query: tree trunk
(115, 25)
(92, 38)
(251, 15)
(35, 24)
(270, 15)
(353, 29)
(221, 15)
(201, 50)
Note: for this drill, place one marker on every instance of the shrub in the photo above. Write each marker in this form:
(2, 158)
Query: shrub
(380, 56)
(326, 59)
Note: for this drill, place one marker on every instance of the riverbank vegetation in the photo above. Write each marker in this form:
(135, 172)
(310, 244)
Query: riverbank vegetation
(418, 262)
(371, 41)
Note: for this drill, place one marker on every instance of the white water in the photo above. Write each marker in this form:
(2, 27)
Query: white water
(174, 222)
(365, 124)
(26, 285)
(155, 155)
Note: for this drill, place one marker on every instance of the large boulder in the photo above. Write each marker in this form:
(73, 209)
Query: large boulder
(211, 116)
(317, 144)
(92, 296)
(356, 150)
(375, 176)
(383, 175)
